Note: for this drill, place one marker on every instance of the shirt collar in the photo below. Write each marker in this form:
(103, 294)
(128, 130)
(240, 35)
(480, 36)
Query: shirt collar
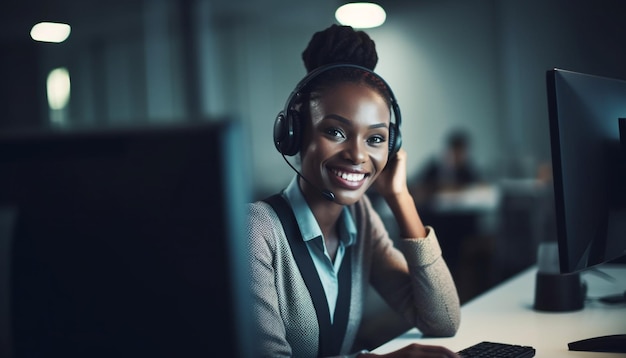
(309, 227)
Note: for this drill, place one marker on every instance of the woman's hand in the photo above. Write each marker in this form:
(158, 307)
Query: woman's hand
(392, 185)
(417, 351)
(393, 179)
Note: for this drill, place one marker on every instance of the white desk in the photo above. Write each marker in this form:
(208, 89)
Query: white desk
(479, 198)
(505, 314)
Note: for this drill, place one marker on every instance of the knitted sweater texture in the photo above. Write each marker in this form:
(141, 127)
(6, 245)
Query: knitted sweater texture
(413, 278)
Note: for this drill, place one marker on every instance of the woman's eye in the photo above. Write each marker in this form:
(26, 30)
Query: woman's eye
(377, 139)
(334, 132)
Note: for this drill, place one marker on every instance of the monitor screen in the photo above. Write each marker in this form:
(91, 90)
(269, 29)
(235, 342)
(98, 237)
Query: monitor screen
(588, 163)
(124, 243)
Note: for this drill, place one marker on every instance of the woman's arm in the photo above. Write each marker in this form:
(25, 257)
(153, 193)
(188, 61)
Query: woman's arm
(419, 284)
(271, 332)
(391, 184)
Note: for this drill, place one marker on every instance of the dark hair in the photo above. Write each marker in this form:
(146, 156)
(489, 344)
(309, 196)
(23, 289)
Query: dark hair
(458, 139)
(339, 44)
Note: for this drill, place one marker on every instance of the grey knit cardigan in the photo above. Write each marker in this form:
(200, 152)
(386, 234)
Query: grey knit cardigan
(413, 279)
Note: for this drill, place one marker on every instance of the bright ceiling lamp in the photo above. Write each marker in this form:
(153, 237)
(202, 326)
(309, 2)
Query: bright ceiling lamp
(58, 88)
(50, 32)
(361, 15)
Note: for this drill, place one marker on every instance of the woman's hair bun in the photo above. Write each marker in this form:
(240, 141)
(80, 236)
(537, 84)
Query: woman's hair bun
(340, 44)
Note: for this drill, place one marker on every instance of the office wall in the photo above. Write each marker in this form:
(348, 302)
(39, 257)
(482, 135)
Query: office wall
(475, 64)
(578, 35)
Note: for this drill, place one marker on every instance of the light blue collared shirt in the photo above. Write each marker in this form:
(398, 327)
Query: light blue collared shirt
(312, 234)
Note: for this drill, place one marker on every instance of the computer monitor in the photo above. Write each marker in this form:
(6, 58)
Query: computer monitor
(588, 164)
(125, 243)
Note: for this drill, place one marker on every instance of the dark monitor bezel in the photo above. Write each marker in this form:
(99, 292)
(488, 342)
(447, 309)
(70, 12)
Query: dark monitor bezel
(581, 200)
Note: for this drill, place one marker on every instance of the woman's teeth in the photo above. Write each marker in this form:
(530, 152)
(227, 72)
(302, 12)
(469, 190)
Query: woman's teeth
(349, 176)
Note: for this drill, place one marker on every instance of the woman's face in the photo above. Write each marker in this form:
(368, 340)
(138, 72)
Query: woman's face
(345, 146)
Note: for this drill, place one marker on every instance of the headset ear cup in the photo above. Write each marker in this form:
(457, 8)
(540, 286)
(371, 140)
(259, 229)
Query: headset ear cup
(395, 139)
(280, 132)
(287, 133)
(295, 133)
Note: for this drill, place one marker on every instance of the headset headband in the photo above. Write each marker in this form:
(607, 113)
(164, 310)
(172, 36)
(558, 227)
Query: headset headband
(318, 71)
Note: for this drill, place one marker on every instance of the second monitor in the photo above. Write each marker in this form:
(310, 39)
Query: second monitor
(124, 243)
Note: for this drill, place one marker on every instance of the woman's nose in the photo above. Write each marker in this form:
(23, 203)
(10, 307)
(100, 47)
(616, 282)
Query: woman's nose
(355, 151)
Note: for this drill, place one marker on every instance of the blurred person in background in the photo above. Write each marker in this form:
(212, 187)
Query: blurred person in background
(451, 170)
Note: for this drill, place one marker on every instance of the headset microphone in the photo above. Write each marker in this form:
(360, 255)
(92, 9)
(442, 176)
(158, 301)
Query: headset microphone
(328, 195)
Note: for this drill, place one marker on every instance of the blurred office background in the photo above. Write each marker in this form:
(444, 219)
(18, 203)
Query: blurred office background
(478, 66)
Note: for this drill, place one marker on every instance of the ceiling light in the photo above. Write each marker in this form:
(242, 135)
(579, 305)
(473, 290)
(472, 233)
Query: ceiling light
(361, 15)
(58, 88)
(50, 32)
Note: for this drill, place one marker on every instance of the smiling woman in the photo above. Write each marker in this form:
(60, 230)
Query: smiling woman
(317, 246)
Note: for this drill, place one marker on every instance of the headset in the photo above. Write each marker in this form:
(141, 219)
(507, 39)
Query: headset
(288, 126)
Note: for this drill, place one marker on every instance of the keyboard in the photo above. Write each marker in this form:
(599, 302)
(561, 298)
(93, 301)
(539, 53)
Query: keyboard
(497, 350)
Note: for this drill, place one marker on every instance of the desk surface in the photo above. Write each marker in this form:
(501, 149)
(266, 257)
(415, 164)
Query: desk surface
(505, 314)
